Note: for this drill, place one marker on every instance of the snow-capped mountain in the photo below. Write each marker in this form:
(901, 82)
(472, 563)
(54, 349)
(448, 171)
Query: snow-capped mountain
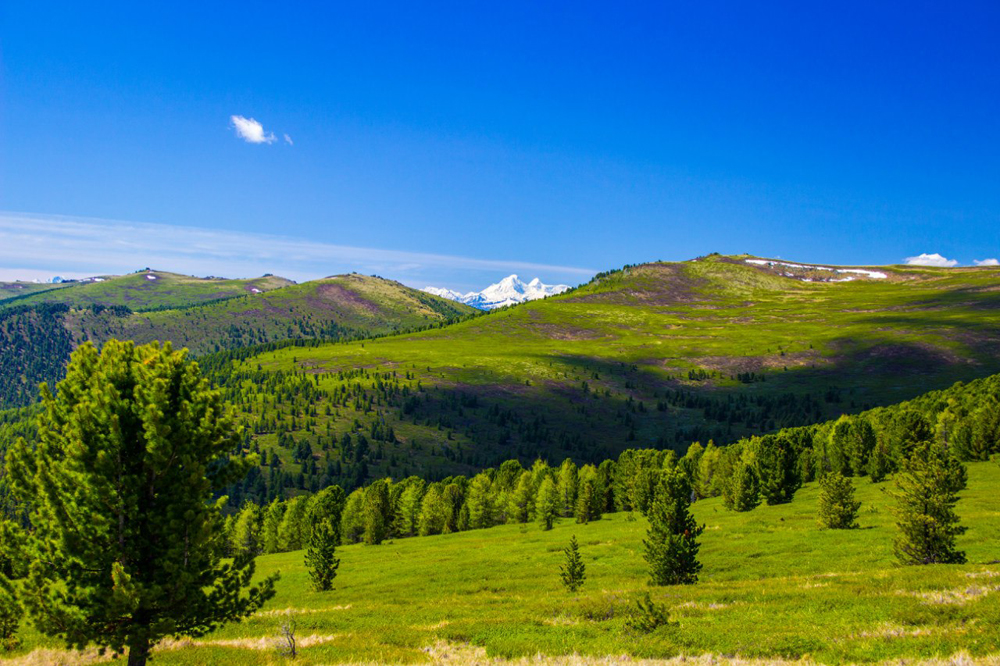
(507, 291)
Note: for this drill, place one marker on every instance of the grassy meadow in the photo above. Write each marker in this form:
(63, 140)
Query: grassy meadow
(774, 586)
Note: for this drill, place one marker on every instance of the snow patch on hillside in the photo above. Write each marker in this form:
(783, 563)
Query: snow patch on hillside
(848, 273)
(508, 291)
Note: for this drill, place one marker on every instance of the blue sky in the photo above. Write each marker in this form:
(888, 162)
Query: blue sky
(458, 142)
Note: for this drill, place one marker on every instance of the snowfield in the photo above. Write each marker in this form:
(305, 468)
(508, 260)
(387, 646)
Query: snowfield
(509, 291)
(850, 272)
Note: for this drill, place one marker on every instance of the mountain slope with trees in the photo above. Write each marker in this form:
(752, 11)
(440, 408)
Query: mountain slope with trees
(36, 338)
(658, 355)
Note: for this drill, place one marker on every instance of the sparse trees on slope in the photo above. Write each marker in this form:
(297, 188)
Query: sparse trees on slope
(126, 546)
(672, 539)
(838, 509)
(926, 490)
(573, 572)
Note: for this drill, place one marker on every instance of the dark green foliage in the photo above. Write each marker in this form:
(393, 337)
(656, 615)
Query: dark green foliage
(377, 512)
(127, 546)
(672, 540)
(34, 346)
(573, 572)
(742, 492)
(926, 490)
(838, 509)
(10, 615)
(320, 557)
(880, 462)
(777, 468)
(646, 616)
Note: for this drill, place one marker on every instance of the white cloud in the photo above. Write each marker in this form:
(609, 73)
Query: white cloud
(986, 262)
(288, 140)
(70, 246)
(251, 131)
(931, 260)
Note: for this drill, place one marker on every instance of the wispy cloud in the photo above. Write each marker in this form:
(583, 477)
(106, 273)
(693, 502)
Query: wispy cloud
(288, 140)
(75, 246)
(251, 131)
(931, 260)
(986, 262)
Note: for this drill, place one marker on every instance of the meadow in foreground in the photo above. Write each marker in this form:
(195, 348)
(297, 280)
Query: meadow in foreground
(774, 586)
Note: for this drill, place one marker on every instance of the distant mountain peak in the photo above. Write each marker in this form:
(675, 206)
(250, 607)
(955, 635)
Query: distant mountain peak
(508, 291)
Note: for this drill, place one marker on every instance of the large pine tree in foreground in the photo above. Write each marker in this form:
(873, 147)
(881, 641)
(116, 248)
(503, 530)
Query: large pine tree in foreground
(126, 544)
(672, 540)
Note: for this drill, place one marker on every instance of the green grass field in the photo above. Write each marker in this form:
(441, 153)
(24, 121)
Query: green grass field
(774, 586)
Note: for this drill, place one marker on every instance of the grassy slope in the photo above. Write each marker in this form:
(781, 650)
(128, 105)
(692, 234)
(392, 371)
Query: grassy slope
(153, 289)
(637, 333)
(19, 290)
(773, 585)
(355, 304)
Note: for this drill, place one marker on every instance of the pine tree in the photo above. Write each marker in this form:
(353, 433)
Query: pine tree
(742, 493)
(926, 491)
(777, 468)
(320, 557)
(375, 512)
(589, 495)
(547, 503)
(672, 539)
(522, 500)
(126, 546)
(838, 509)
(573, 572)
(880, 462)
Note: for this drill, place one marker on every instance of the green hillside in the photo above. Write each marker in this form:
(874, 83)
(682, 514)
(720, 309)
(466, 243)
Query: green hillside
(820, 595)
(37, 337)
(19, 290)
(653, 355)
(147, 290)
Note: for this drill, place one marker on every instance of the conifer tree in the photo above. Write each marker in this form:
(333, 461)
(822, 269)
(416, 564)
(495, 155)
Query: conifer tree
(777, 468)
(126, 544)
(434, 512)
(567, 484)
(742, 492)
(589, 495)
(838, 509)
(375, 511)
(521, 501)
(926, 491)
(547, 503)
(573, 572)
(672, 539)
(880, 462)
(321, 557)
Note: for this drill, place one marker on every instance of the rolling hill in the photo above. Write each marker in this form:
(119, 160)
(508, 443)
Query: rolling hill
(38, 332)
(653, 355)
(143, 290)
